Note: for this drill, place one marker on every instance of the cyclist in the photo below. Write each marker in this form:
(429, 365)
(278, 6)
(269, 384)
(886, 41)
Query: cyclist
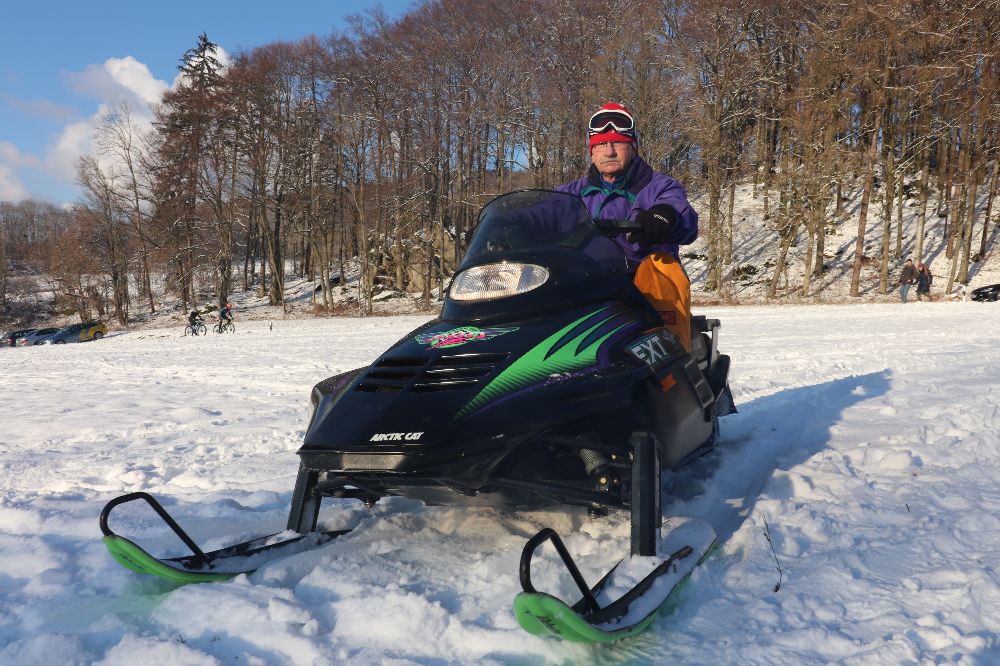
(226, 313)
(194, 319)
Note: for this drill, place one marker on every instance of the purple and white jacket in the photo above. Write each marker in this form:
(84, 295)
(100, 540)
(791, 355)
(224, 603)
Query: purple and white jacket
(638, 189)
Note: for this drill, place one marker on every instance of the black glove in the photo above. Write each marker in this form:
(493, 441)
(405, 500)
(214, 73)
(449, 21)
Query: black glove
(657, 223)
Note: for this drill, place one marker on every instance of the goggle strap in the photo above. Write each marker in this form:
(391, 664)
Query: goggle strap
(616, 128)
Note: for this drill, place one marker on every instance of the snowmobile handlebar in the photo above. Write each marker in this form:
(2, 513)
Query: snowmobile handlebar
(613, 226)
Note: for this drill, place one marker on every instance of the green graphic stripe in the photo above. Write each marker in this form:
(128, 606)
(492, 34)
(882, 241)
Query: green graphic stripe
(541, 361)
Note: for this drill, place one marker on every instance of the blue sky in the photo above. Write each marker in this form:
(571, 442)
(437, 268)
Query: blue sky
(61, 60)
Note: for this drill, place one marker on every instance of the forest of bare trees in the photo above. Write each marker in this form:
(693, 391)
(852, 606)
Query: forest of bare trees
(379, 146)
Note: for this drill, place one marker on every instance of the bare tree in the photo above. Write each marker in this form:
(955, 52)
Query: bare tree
(369, 154)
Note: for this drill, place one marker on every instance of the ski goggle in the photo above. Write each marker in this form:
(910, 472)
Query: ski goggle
(611, 121)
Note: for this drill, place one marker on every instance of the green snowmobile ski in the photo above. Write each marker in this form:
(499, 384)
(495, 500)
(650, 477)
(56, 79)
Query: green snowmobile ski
(625, 601)
(202, 567)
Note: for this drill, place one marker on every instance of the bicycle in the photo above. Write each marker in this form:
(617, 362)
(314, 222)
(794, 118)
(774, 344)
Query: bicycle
(197, 329)
(224, 327)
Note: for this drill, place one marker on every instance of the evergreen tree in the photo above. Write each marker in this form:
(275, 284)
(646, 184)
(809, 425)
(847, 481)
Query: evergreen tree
(183, 123)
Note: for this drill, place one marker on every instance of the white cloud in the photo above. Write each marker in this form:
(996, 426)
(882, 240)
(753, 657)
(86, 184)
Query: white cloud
(75, 140)
(223, 57)
(11, 159)
(116, 80)
(12, 156)
(134, 76)
(110, 83)
(11, 189)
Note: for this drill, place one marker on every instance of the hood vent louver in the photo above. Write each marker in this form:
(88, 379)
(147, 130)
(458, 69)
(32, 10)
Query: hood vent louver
(448, 372)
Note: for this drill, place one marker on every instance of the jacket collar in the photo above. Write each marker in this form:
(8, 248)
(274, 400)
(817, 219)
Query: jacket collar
(636, 177)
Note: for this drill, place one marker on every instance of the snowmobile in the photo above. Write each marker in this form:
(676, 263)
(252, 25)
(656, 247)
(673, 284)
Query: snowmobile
(548, 379)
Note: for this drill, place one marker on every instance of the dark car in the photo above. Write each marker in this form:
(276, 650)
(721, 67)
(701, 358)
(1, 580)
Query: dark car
(92, 330)
(988, 293)
(11, 339)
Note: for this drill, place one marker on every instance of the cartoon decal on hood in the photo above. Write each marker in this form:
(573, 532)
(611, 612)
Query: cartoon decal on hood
(459, 336)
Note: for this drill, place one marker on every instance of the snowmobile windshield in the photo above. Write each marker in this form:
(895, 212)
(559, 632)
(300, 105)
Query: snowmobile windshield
(531, 223)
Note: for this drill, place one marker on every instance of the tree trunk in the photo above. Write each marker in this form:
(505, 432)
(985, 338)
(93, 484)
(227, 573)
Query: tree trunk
(969, 226)
(918, 246)
(807, 263)
(866, 194)
(889, 196)
(989, 207)
(779, 264)
(957, 197)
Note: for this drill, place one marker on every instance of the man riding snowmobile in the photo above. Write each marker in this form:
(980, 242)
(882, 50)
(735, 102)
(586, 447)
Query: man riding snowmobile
(548, 379)
(620, 184)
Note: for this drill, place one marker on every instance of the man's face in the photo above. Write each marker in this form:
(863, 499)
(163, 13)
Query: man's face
(612, 158)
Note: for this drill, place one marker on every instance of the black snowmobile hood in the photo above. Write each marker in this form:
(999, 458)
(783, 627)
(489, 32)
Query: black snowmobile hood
(449, 381)
(491, 368)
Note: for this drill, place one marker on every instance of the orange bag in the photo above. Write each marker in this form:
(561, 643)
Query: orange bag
(662, 280)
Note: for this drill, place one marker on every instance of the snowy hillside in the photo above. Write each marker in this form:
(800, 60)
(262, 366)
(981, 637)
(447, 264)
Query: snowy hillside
(755, 244)
(867, 439)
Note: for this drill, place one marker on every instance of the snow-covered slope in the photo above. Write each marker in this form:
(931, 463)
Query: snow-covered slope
(755, 246)
(867, 439)
(755, 249)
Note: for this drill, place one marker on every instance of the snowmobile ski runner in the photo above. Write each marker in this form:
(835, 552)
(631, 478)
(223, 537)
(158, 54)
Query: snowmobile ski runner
(624, 602)
(202, 567)
(547, 380)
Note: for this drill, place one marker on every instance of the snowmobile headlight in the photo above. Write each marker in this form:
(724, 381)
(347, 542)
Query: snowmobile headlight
(491, 281)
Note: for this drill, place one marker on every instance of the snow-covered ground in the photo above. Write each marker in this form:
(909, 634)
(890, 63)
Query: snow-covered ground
(868, 439)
